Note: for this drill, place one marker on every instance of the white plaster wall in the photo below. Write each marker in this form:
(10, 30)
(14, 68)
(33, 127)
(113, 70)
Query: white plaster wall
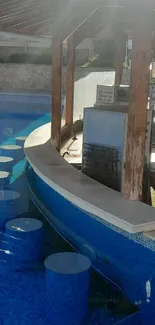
(85, 88)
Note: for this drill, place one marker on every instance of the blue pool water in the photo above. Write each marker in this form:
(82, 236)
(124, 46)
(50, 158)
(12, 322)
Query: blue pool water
(22, 293)
(22, 113)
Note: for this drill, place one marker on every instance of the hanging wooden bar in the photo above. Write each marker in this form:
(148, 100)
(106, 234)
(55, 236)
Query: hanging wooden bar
(70, 82)
(56, 91)
(137, 116)
(120, 48)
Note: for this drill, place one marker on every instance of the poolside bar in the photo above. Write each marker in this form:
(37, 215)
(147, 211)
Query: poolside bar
(113, 227)
(141, 30)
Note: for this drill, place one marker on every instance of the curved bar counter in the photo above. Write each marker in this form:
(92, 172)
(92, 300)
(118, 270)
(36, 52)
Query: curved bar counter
(118, 235)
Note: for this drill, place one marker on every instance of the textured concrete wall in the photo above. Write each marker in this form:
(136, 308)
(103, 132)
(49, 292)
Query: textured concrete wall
(25, 76)
(38, 77)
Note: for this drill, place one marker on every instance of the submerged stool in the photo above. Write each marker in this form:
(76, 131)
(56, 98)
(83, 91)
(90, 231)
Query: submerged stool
(9, 202)
(24, 241)
(20, 141)
(4, 179)
(12, 150)
(6, 164)
(67, 288)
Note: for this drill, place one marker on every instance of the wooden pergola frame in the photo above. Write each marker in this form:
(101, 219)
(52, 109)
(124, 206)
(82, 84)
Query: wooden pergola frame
(141, 28)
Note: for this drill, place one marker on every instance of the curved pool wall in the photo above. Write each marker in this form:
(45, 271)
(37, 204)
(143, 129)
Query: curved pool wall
(97, 315)
(126, 259)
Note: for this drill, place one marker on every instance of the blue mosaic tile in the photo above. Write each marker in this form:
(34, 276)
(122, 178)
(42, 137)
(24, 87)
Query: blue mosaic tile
(126, 259)
(139, 238)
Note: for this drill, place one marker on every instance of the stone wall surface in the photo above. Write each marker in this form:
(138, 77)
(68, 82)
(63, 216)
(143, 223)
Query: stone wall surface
(38, 77)
(25, 77)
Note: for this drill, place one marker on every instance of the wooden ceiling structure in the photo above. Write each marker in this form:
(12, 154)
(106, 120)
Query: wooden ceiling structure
(76, 20)
(47, 17)
(32, 17)
(38, 17)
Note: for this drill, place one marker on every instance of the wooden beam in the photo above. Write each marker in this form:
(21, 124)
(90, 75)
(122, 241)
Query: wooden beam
(70, 82)
(96, 22)
(137, 116)
(120, 47)
(72, 17)
(89, 27)
(56, 91)
(32, 25)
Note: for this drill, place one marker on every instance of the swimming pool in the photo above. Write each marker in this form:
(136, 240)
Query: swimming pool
(22, 292)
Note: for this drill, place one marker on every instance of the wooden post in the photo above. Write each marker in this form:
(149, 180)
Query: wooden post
(70, 83)
(137, 116)
(56, 91)
(120, 47)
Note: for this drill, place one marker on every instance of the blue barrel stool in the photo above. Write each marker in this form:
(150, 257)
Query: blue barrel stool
(4, 179)
(24, 242)
(67, 288)
(9, 202)
(6, 164)
(12, 150)
(20, 141)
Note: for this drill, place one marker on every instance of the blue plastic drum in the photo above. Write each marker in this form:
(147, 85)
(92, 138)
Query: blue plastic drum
(12, 150)
(9, 204)
(20, 141)
(24, 240)
(67, 288)
(6, 164)
(4, 179)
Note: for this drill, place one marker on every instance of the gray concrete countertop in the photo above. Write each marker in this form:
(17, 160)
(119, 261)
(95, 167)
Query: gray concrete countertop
(96, 199)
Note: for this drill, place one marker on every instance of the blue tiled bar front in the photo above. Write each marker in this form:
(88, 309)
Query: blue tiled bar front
(118, 235)
(127, 259)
